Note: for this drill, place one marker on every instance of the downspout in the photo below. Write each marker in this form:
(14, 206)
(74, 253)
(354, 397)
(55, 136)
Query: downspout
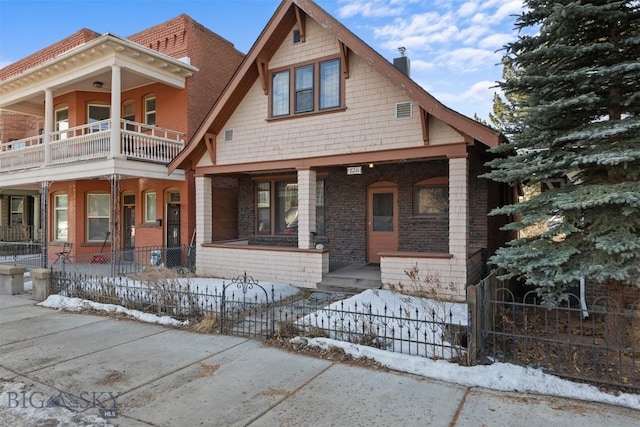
(583, 302)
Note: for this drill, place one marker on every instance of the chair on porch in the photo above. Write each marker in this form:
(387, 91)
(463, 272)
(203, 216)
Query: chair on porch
(63, 253)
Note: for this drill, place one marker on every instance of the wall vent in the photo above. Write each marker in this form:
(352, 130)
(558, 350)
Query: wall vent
(228, 135)
(296, 37)
(403, 110)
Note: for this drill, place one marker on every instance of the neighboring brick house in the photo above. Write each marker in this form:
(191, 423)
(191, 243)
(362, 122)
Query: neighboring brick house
(111, 113)
(321, 153)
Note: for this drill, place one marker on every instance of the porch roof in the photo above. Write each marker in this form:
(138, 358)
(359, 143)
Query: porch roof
(77, 68)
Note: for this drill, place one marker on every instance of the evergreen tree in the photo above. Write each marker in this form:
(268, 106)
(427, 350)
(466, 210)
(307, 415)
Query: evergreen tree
(505, 115)
(577, 93)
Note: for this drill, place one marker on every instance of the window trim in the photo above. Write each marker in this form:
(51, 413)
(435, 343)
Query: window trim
(56, 124)
(56, 210)
(19, 212)
(100, 104)
(316, 88)
(273, 181)
(147, 218)
(87, 196)
(145, 112)
(435, 182)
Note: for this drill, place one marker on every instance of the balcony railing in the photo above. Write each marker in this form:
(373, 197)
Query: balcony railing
(93, 141)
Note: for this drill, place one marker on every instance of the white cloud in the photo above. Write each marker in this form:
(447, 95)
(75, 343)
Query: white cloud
(476, 99)
(495, 41)
(375, 8)
(464, 60)
(468, 8)
(420, 65)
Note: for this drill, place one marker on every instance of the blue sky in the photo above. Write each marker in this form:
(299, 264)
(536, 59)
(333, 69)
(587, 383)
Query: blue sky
(452, 44)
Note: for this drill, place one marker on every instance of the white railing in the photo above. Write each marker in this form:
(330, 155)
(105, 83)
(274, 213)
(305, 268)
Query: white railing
(150, 143)
(84, 142)
(22, 158)
(137, 142)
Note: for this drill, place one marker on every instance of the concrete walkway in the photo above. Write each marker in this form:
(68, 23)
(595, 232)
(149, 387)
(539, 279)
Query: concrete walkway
(157, 376)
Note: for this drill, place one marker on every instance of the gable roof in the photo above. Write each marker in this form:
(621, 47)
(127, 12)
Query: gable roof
(273, 35)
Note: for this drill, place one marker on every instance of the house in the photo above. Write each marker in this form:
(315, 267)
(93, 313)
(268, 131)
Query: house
(321, 154)
(89, 126)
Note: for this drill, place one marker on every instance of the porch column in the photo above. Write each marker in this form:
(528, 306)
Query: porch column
(306, 208)
(44, 197)
(114, 226)
(116, 87)
(459, 219)
(36, 218)
(204, 206)
(48, 125)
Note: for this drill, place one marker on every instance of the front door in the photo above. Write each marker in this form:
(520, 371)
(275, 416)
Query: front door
(173, 235)
(129, 227)
(382, 219)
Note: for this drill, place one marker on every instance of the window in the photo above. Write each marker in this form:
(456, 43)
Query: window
(431, 197)
(150, 207)
(286, 212)
(277, 203)
(320, 207)
(304, 89)
(17, 211)
(60, 217)
(330, 84)
(98, 113)
(280, 94)
(316, 87)
(97, 216)
(264, 208)
(62, 122)
(129, 114)
(150, 110)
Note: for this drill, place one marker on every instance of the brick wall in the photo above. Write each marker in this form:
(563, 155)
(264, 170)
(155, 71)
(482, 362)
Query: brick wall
(82, 36)
(345, 206)
(215, 57)
(478, 202)
(17, 126)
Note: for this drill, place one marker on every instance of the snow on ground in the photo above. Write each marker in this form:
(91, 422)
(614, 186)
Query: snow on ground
(498, 376)
(77, 304)
(394, 321)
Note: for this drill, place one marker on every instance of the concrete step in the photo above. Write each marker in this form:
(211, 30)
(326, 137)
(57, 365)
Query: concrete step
(350, 285)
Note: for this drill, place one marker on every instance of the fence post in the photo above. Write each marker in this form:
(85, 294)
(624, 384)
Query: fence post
(41, 288)
(474, 318)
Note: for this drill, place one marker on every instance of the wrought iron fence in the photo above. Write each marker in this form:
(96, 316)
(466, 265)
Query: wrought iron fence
(600, 345)
(125, 262)
(245, 308)
(27, 254)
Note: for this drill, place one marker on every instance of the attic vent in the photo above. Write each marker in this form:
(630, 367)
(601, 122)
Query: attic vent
(403, 110)
(228, 135)
(296, 37)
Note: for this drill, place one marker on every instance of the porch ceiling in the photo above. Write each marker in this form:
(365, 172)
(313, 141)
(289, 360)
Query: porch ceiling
(93, 169)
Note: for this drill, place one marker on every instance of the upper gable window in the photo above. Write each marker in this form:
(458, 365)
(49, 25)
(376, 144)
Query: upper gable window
(315, 87)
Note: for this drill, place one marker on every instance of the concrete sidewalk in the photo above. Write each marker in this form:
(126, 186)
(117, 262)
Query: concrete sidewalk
(157, 376)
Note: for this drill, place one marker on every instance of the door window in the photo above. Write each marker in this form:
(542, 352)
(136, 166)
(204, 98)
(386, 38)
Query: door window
(382, 212)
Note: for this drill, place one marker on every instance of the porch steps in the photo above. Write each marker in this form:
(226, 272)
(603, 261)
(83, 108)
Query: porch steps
(349, 285)
(352, 279)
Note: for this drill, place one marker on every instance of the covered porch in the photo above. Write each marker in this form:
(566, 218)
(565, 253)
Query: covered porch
(336, 218)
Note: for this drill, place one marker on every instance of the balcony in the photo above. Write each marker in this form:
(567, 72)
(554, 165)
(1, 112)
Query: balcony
(138, 141)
